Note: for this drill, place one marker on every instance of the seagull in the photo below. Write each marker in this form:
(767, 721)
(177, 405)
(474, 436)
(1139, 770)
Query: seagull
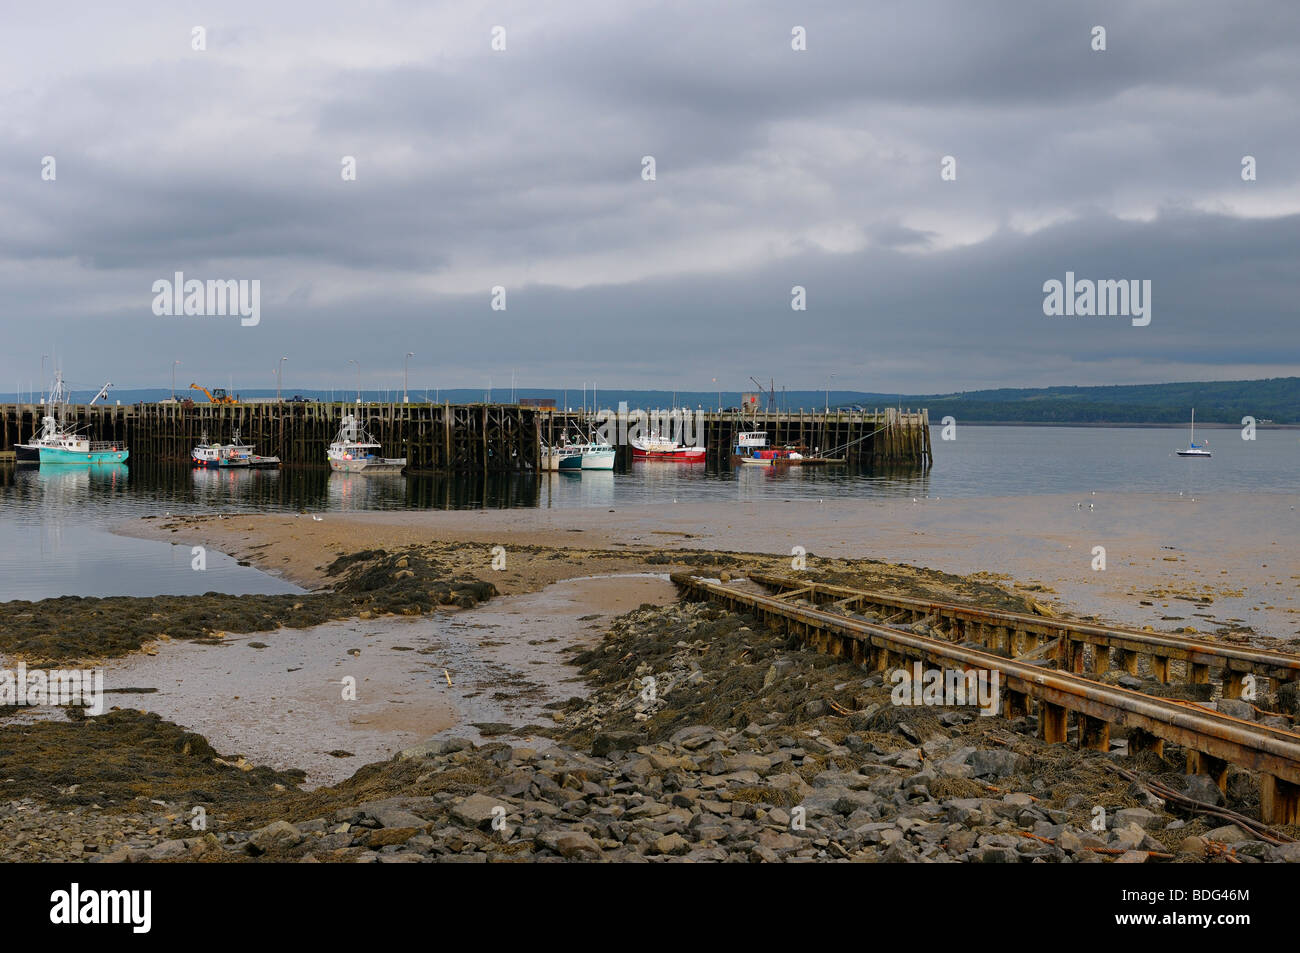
(1091, 507)
(1078, 506)
(316, 518)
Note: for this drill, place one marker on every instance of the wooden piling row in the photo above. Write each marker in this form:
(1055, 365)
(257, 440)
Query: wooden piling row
(459, 437)
(879, 438)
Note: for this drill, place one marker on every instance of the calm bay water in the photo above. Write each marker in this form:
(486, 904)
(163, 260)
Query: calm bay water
(55, 522)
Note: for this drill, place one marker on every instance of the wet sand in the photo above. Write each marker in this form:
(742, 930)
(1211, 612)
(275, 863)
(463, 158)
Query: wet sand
(1171, 561)
(282, 704)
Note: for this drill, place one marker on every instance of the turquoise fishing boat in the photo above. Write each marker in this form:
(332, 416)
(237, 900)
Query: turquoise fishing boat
(66, 447)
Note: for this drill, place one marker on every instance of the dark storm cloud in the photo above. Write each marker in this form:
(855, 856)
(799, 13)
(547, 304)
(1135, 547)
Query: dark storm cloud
(774, 169)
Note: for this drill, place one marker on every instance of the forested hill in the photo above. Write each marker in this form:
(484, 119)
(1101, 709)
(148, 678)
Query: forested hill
(1226, 402)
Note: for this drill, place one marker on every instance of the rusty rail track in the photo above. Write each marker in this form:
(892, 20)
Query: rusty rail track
(1019, 633)
(1212, 740)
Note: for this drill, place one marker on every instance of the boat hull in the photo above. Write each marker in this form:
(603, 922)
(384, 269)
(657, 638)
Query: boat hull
(598, 459)
(58, 455)
(677, 455)
(27, 453)
(368, 465)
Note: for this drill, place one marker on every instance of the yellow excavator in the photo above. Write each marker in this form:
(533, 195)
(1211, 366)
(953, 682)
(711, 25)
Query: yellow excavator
(217, 395)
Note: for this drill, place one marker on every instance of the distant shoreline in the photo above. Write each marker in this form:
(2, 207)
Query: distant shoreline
(1109, 425)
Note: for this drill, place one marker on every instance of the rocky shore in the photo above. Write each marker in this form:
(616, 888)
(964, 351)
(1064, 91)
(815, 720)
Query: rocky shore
(704, 738)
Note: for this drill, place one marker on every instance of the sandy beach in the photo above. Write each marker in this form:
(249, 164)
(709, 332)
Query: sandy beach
(1170, 562)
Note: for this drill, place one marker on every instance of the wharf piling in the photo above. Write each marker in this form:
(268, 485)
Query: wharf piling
(463, 438)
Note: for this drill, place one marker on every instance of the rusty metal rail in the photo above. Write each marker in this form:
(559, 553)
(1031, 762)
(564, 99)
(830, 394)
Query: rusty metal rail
(1018, 633)
(1212, 740)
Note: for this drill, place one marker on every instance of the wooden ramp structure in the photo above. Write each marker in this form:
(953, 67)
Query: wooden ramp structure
(828, 619)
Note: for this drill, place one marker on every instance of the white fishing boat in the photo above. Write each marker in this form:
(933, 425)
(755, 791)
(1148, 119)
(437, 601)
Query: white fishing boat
(1193, 448)
(597, 455)
(657, 447)
(353, 451)
(589, 453)
(216, 455)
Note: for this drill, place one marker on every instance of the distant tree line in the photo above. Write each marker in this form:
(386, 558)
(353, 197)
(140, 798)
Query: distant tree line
(1226, 402)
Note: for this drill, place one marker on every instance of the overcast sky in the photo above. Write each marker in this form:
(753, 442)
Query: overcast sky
(774, 167)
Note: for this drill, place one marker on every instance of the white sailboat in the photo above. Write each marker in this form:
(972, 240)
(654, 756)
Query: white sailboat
(1193, 449)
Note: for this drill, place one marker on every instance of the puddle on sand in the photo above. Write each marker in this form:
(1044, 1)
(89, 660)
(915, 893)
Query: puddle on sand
(282, 705)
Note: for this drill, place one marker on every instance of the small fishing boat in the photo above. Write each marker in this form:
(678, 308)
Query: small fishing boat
(245, 452)
(571, 456)
(752, 450)
(563, 456)
(353, 451)
(1193, 448)
(656, 447)
(597, 455)
(216, 455)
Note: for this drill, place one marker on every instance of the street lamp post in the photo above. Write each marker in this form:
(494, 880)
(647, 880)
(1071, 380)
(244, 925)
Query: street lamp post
(353, 361)
(43, 357)
(406, 365)
(174, 363)
(828, 393)
(279, 372)
(715, 380)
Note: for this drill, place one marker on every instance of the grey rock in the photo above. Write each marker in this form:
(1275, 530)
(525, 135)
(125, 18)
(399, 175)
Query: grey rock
(994, 764)
(1236, 708)
(168, 848)
(434, 747)
(1201, 788)
(475, 811)
(276, 835)
(1228, 834)
(1136, 815)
